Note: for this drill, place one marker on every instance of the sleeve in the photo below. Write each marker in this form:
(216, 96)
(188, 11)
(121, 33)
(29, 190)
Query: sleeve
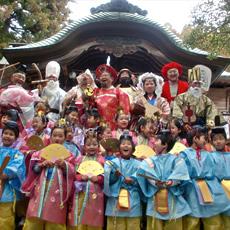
(124, 102)
(177, 107)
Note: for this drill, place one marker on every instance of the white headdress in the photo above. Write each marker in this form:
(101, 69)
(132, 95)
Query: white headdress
(88, 72)
(53, 69)
(158, 79)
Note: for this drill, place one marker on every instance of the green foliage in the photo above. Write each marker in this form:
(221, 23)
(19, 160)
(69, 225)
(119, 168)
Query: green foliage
(210, 27)
(25, 21)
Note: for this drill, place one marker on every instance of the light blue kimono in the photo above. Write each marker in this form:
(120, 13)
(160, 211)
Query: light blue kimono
(203, 169)
(15, 170)
(164, 167)
(222, 168)
(113, 184)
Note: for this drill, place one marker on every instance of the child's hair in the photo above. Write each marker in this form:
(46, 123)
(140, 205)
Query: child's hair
(180, 125)
(166, 139)
(11, 125)
(93, 112)
(70, 108)
(197, 131)
(12, 114)
(91, 136)
(59, 127)
(43, 118)
(126, 136)
(220, 131)
(143, 121)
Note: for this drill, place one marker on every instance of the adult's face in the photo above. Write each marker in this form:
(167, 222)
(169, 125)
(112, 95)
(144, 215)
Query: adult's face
(106, 80)
(18, 79)
(149, 86)
(86, 80)
(173, 75)
(125, 80)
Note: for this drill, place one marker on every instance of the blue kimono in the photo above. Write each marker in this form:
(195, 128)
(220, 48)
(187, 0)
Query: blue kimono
(222, 168)
(164, 167)
(203, 168)
(113, 184)
(15, 170)
(73, 148)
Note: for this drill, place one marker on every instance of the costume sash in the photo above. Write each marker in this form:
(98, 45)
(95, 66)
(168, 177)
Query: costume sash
(3, 166)
(123, 200)
(226, 186)
(204, 192)
(161, 201)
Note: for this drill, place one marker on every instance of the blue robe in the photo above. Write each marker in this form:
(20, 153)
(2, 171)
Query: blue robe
(15, 170)
(113, 184)
(222, 168)
(164, 167)
(203, 169)
(73, 148)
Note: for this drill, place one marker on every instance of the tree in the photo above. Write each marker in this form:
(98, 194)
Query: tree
(210, 27)
(26, 21)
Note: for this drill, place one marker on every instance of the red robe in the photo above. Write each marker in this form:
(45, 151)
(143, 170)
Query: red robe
(108, 101)
(182, 87)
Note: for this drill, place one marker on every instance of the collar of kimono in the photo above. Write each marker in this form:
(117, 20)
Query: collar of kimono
(198, 153)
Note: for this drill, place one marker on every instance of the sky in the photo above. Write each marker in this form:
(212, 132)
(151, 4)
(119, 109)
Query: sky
(175, 12)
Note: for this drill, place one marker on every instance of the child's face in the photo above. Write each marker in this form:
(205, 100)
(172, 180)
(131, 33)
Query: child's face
(158, 146)
(8, 137)
(73, 117)
(4, 119)
(174, 130)
(91, 146)
(148, 130)
(37, 124)
(107, 133)
(58, 136)
(126, 148)
(92, 122)
(123, 121)
(219, 142)
(69, 136)
(149, 86)
(200, 141)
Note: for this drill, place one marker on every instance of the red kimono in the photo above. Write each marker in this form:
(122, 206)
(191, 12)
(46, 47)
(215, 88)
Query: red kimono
(108, 101)
(48, 198)
(182, 87)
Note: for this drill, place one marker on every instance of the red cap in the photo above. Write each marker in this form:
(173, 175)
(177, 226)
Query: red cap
(171, 65)
(106, 68)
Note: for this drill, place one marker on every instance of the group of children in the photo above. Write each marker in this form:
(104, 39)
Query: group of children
(188, 190)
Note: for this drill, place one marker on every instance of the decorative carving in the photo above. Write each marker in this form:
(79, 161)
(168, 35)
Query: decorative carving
(119, 6)
(118, 46)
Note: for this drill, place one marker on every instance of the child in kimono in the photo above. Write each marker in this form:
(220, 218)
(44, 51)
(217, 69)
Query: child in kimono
(161, 179)
(145, 132)
(48, 186)
(222, 166)
(12, 176)
(122, 120)
(123, 206)
(86, 211)
(204, 193)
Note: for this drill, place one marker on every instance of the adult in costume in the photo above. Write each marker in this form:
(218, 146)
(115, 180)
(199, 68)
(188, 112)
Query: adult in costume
(52, 93)
(16, 97)
(193, 106)
(107, 98)
(172, 86)
(151, 85)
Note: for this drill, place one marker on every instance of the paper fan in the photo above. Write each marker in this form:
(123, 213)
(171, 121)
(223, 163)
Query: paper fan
(177, 148)
(55, 152)
(35, 143)
(143, 151)
(90, 168)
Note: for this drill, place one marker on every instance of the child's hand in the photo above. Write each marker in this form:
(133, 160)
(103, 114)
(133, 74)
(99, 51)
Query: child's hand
(117, 173)
(84, 177)
(128, 180)
(60, 163)
(94, 179)
(169, 183)
(47, 164)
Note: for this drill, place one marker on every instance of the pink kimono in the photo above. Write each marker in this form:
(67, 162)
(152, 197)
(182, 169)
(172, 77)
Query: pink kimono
(48, 198)
(92, 213)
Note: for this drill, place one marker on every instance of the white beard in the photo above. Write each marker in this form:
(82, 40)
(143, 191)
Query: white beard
(195, 91)
(52, 88)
